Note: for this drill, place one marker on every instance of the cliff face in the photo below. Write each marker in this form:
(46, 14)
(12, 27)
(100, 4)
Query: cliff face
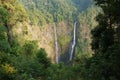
(44, 36)
(39, 26)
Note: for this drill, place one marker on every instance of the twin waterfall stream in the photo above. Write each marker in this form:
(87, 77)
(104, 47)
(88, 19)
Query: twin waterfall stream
(73, 43)
(56, 45)
(72, 46)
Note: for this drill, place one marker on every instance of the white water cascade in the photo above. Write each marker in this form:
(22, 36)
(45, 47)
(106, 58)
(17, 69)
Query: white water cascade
(73, 43)
(56, 44)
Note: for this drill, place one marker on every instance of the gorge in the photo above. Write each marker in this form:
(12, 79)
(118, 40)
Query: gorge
(46, 39)
(57, 39)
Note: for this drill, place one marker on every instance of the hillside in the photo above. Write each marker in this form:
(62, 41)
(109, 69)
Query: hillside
(41, 16)
(48, 11)
(59, 40)
(34, 20)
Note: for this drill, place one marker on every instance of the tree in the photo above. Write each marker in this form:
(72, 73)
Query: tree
(104, 65)
(30, 48)
(42, 58)
(4, 45)
(13, 13)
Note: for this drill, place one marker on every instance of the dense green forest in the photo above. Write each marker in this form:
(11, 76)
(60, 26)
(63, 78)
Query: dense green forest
(98, 24)
(49, 11)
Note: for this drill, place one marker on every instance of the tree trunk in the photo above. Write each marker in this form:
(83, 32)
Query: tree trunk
(9, 34)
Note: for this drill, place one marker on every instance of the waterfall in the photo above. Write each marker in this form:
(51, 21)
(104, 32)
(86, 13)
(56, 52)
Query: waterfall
(56, 44)
(73, 43)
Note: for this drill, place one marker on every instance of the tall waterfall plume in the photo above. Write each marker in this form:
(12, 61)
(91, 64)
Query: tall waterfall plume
(73, 43)
(56, 45)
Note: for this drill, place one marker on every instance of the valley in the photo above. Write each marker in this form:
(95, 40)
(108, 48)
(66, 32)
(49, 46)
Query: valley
(59, 39)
